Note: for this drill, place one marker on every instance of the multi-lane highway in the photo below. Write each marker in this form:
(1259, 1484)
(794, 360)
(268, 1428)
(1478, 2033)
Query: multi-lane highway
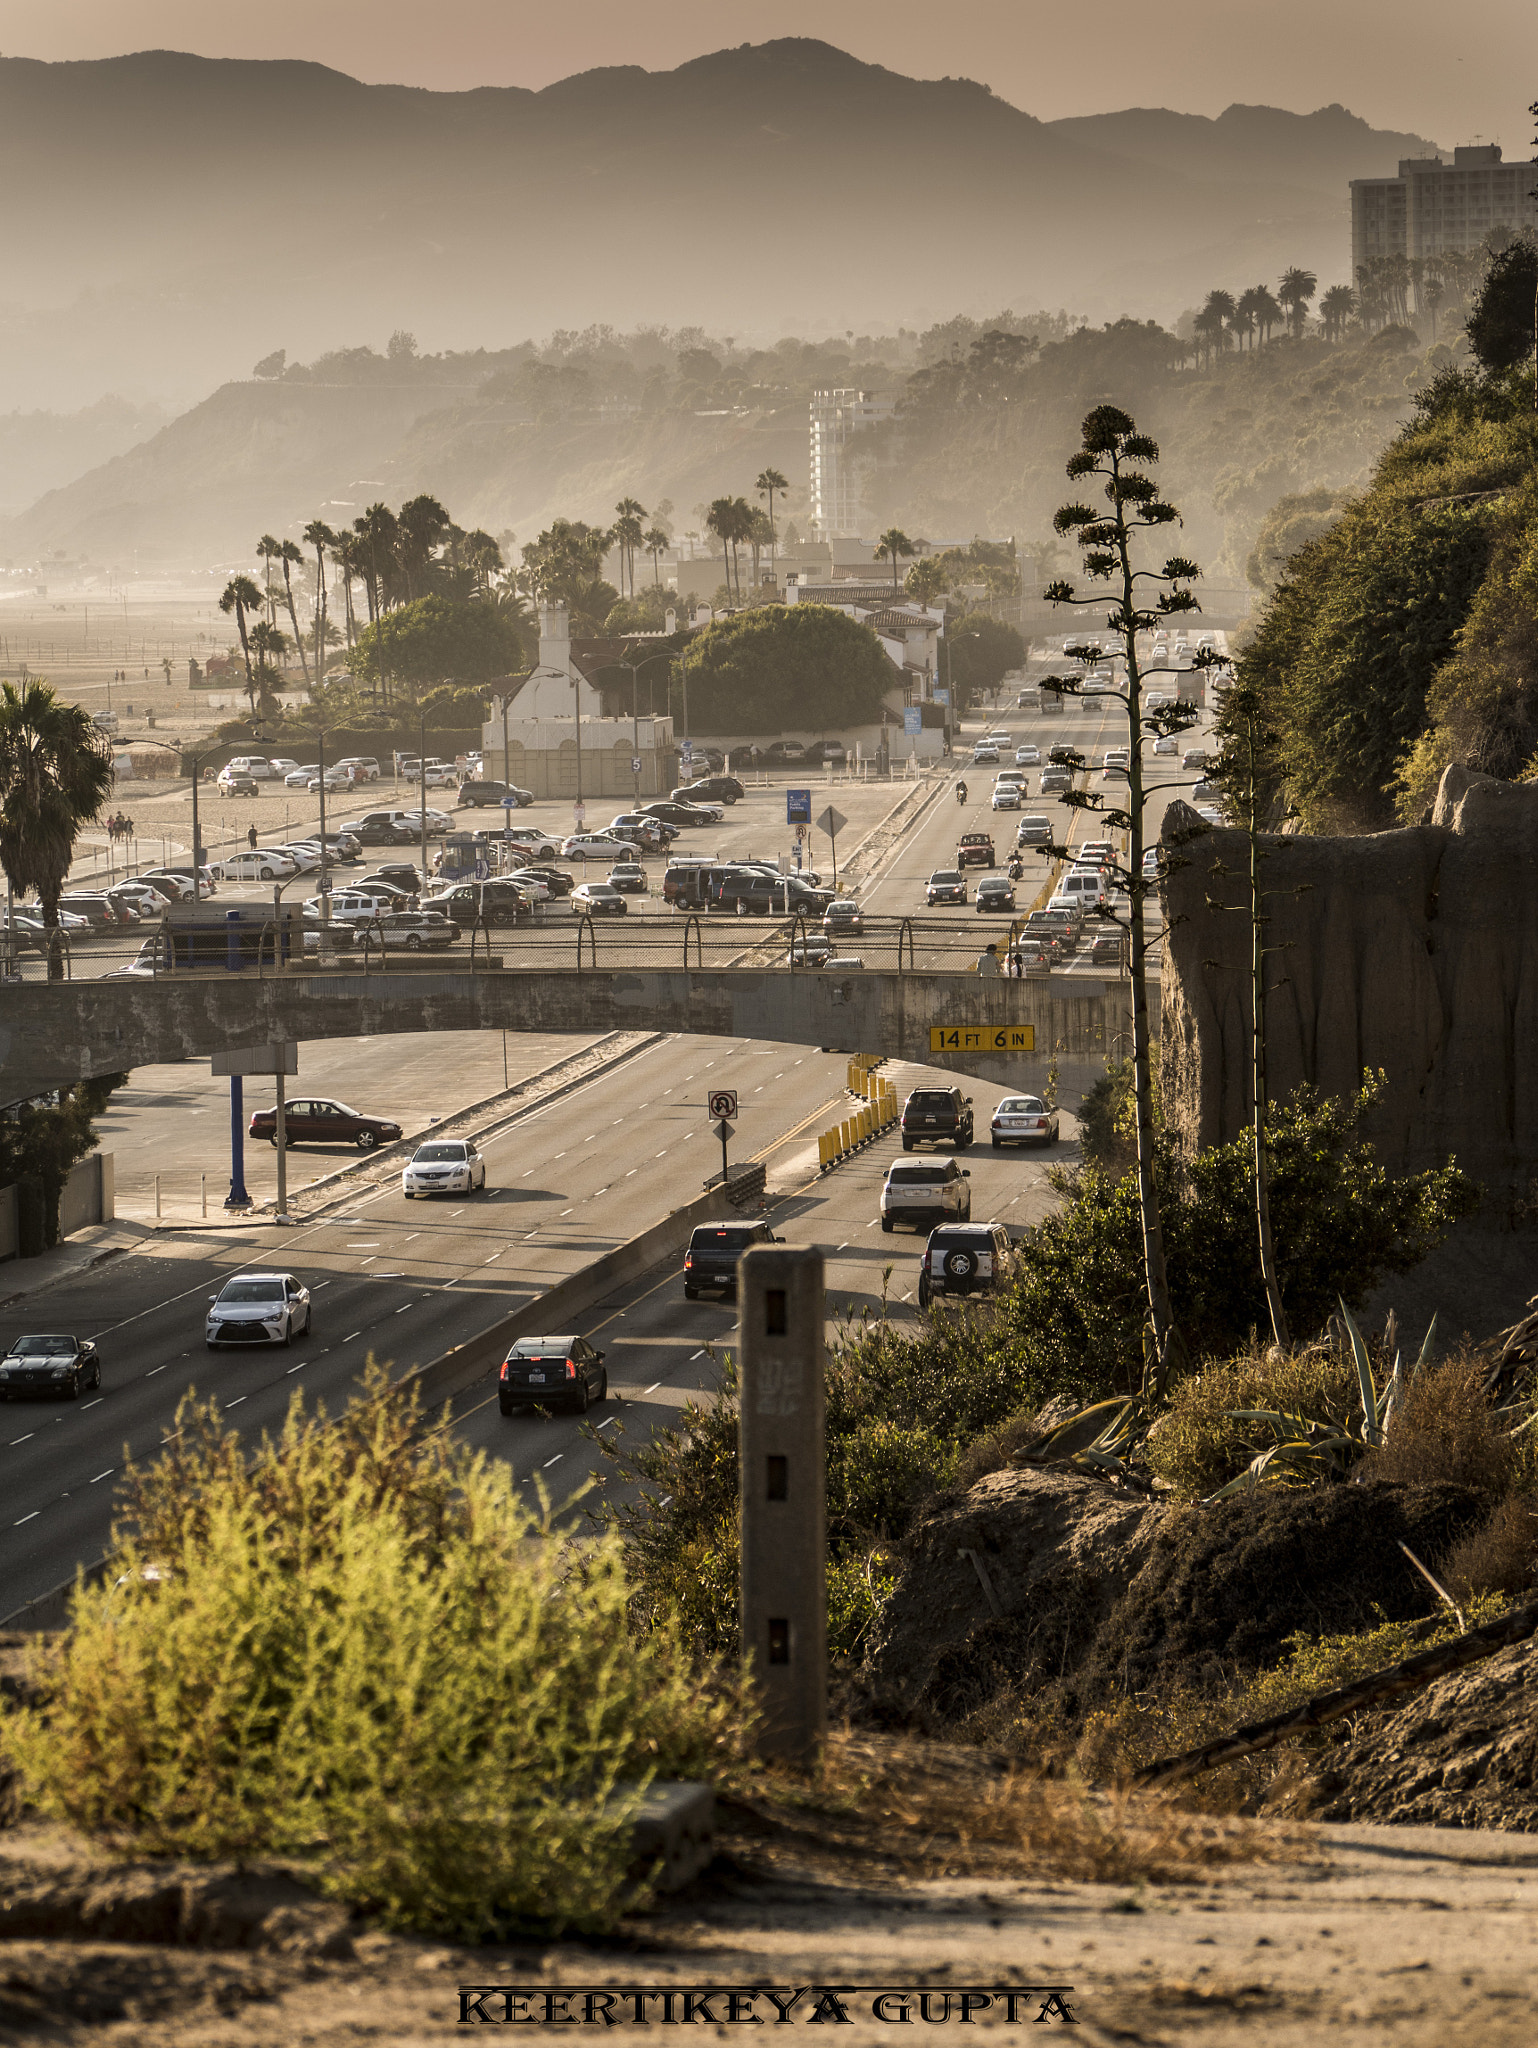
(569, 1177)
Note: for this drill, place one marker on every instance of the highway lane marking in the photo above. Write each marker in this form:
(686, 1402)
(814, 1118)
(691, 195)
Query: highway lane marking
(662, 1154)
(156, 1368)
(552, 1461)
(350, 1335)
(370, 1244)
(608, 1422)
(103, 1475)
(28, 1518)
(94, 1404)
(656, 1384)
(296, 1368)
(487, 1262)
(23, 1439)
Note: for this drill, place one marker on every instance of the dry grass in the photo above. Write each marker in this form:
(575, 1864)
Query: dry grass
(1500, 1556)
(1446, 1429)
(1198, 1445)
(932, 1810)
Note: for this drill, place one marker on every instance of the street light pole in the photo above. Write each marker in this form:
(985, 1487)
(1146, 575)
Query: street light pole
(325, 885)
(422, 789)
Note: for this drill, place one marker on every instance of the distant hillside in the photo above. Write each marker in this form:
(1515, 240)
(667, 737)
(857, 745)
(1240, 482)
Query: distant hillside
(39, 450)
(185, 216)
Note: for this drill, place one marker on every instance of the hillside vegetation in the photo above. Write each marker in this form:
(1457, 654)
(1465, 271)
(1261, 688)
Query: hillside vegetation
(978, 443)
(1405, 636)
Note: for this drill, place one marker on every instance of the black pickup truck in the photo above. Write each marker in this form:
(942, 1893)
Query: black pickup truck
(714, 1249)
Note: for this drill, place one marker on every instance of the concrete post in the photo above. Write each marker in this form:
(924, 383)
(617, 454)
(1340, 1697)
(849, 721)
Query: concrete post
(280, 1215)
(783, 1457)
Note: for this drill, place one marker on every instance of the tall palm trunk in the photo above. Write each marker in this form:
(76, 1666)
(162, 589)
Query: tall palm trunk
(293, 619)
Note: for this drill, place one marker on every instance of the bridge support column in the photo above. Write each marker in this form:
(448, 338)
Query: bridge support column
(237, 1197)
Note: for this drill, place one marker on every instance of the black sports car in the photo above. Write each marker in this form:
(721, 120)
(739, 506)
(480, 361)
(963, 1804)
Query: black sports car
(49, 1364)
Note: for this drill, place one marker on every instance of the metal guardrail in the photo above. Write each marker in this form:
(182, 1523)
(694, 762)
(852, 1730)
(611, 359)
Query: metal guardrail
(788, 943)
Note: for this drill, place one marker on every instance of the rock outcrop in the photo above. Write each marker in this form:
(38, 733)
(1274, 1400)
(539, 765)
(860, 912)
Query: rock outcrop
(1414, 952)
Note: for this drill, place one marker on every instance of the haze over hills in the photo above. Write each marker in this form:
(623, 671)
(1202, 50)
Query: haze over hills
(183, 216)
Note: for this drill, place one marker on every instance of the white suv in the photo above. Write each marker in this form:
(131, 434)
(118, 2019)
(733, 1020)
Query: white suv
(969, 1259)
(924, 1192)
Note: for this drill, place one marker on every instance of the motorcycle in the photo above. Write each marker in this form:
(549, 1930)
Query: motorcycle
(961, 792)
(1016, 869)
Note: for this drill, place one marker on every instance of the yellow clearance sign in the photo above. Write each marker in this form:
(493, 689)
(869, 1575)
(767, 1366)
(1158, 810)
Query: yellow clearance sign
(982, 1038)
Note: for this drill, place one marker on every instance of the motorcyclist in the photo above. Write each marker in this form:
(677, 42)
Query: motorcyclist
(961, 792)
(1016, 867)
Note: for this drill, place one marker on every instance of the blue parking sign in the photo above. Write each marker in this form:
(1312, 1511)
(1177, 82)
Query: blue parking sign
(798, 807)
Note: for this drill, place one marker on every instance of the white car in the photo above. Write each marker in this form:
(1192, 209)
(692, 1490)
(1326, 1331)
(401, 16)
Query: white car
(1023, 1120)
(925, 1192)
(434, 776)
(1166, 743)
(1027, 757)
(540, 844)
(364, 767)
(301, 778)
(304, 857)
(257, 1308)
(334, 778)
(443, 1166)
(985, 750)
(265, 865)
(1006, 796)
(598, 846)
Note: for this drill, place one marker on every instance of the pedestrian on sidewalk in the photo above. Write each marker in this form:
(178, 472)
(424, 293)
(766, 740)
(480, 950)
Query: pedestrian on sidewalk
(988, 961)
(251, 837)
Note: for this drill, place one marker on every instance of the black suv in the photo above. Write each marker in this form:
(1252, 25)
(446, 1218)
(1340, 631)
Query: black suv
(937, 1116)
(964, 1258)
(549, 1372)
(714, 1249)
(715, 789)
(754, 892)
(494, 903)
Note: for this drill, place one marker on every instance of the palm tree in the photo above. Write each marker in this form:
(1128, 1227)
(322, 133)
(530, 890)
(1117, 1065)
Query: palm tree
(241, 596)
(1335, 309)
(656, 544)
(347, 549)
(770, 481)
(629, 533)
(1246, 313)
(1295, 288)
(1217, 314)
(422, 526)
(483, 558)
(758, 536)
(1268, 313)
(320, 537)
(728, 519)
(378, 533)
(269, 550)
(269, 644)
(925, 580)
(1433, 292)
(55, 772)
(894, 542)
(289, 553)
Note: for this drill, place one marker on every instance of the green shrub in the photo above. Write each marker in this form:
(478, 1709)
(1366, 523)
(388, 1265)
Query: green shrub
(358, 1652)
(1339, 1222)
(1198, 1443)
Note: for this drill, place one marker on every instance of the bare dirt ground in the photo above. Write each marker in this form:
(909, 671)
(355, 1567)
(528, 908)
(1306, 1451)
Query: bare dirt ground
(1234, 1933)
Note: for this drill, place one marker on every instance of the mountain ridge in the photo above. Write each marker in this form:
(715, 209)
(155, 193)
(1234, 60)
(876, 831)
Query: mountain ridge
(174, 200)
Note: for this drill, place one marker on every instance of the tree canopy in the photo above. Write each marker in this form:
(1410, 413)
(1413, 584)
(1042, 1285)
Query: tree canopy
(982, 652)
(787, 668)
(437, 640)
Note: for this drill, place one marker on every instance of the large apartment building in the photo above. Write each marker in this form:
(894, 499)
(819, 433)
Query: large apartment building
(835, 476)
(1433, 207)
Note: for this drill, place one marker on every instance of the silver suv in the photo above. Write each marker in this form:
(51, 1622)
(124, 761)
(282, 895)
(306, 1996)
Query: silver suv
(925, 1191)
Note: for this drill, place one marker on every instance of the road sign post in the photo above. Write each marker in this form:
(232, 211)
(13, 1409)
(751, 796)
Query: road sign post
(724, 1130)
(782, 1460)
(833, 822)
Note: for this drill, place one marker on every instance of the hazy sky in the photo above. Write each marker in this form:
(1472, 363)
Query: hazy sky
(1449, 73)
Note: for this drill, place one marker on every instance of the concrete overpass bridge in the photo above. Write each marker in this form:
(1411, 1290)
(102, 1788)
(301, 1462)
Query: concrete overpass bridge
(53, 1034)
